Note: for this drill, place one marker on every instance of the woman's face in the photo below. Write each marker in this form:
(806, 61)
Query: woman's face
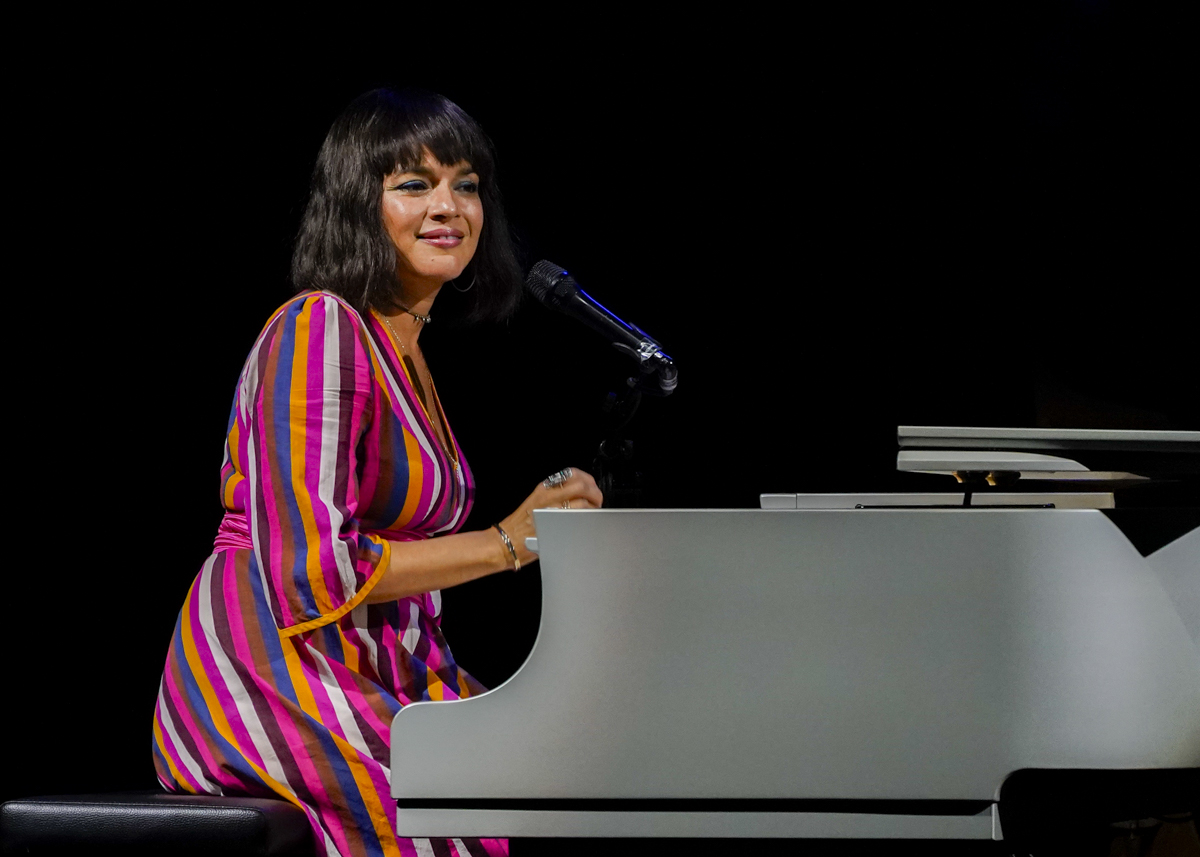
(433, 215)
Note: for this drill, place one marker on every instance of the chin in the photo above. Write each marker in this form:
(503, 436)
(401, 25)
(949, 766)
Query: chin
(445, 270)
(449, 270)
(449, 274)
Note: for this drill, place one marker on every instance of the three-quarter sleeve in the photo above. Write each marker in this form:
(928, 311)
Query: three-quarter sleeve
(304, 405)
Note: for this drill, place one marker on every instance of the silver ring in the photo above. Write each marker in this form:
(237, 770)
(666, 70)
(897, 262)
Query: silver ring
(556, 479)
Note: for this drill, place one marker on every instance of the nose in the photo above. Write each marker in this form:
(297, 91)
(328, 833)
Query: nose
(442, 205)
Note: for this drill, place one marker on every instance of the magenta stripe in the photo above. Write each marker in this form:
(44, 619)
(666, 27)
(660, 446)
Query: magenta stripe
(314, 434)
(269, 525)
(357, 701)
(183, 712)
(173, 753)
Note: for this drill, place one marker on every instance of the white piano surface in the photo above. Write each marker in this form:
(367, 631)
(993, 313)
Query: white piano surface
(839, 653)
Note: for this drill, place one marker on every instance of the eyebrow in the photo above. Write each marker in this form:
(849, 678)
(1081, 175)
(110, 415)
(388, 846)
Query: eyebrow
(423, 170)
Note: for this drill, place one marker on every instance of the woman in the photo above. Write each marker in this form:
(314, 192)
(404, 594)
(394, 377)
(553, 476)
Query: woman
(317, 617)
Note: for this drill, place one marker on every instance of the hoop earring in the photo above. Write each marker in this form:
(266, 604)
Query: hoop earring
(468, 288)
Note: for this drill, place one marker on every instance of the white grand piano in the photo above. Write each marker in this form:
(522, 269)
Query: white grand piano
(833, 666)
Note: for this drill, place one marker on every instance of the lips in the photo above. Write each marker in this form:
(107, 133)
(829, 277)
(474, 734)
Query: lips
(442, 237)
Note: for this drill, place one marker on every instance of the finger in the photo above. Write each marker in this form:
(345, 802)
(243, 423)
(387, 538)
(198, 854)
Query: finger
(572, 500)
(584, 475)
(559, 477)
(554, 485)
(579, 485)
(580, 481)
(592, 496)
(544, 496)
(583, 489)
(590, 490)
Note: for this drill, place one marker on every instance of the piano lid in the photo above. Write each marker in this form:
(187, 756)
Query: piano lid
(1048, 439)
(1059, 455)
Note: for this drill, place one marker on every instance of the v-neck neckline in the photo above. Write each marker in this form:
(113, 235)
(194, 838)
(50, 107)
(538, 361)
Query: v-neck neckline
(447, 444)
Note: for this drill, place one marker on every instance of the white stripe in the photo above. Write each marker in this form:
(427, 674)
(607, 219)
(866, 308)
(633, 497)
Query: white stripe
(252, 513)
(412, 634)
(358, 619)
(248, 383)
(435, 595)
(462, 848)
(180, 750)
(423, 847)
(461, 478)
(327, 468)
(341, 707)
(234, 686)
(246, 396)
(247, 390)
(330, 849)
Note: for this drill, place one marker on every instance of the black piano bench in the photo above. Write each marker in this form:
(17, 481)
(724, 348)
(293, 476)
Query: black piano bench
(145, 823)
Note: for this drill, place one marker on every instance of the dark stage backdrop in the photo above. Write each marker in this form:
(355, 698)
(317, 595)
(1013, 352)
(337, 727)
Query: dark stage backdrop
(878, 220)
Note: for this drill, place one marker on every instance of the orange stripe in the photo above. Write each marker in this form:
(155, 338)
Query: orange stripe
(231, 484)
(232, 441)
(234, 437)
(363, 591)
(416, 478)
(436, 689)
(350, 655)
(162, 748)
(297, 419)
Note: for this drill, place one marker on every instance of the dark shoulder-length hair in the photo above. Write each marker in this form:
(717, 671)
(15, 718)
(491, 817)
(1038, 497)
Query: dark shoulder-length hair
(343, 247)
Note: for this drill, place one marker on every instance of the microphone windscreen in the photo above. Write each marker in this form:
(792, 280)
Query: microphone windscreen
(542, 278)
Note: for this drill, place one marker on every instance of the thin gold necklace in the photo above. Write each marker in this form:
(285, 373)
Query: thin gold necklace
(411, 368)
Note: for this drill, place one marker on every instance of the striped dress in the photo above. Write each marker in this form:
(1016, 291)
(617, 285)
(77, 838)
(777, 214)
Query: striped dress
(280, 680)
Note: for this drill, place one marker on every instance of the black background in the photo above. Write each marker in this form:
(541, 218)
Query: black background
(856, 221)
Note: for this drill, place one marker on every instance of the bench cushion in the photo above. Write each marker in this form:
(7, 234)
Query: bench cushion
(155, 822)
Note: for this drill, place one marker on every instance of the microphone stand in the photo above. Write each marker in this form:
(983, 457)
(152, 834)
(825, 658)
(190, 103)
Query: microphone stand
(614, 467)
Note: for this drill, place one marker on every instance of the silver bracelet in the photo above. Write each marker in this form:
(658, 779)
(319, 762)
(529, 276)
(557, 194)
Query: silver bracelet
(508, 544)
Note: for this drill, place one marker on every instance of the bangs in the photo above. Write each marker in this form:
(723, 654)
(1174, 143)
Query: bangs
(416, 121)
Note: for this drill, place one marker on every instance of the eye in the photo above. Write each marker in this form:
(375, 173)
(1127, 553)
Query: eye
(412, 185)
(468, 186)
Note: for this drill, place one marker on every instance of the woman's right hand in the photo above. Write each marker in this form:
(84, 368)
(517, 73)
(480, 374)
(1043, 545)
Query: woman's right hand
(579, 491)
(427, 564)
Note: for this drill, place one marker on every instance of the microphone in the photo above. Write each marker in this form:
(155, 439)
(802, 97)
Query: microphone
(557, 289)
